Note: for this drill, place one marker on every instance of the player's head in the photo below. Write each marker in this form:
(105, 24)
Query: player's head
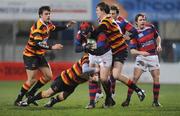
(102, 9)
(140, 20)
(44, 13)
(86, 28)
(114, 11)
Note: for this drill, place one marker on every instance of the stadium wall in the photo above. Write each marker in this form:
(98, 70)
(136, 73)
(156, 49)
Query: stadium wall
(10, 71)
(15, 71)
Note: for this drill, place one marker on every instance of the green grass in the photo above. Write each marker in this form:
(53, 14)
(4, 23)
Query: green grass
(74, 105)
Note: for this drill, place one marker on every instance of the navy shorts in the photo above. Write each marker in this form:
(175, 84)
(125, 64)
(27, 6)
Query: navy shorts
(34, 62)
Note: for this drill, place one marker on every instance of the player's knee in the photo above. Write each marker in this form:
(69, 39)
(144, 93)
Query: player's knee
(156, 78)
(135, 79)
(48, 77)
(46, 94)
(116, 75)
(104, 79)
(31, 81)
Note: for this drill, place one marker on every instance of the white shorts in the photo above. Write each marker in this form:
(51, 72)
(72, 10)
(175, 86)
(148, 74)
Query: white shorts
(104, 60)
(147, 62)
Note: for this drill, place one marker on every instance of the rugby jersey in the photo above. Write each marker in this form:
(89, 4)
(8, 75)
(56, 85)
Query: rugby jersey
(115, 38)
(72, 76)
(146, 40)
(39, 33)
(125, 26)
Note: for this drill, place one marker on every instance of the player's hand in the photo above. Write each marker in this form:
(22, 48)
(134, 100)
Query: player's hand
(159, 49)
(57, 46)
(144, 53)
(70, 23)
(88, 46)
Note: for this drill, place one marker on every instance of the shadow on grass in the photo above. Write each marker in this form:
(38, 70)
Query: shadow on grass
(41, 108)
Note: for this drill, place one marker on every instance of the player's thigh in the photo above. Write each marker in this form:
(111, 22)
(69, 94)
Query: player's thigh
(104, 73)
(47, 72)
(49, 92)
(137, 74)
(31, 75)
(155, 74)
(117, 68)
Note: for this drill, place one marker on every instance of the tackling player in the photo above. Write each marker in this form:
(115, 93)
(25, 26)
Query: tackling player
(66, 83)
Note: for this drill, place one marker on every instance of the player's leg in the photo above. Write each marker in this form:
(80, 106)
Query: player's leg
(93, 85)
(113, 85)
(154, 68)
(125, 79)
(99, 93)
(41, 95)
(137, 73)
(105, 67)
(56, 86)
(31, 75)
(104, 73)
(45, 68)
(65, 91)
(93, 88)
(42, 81)
(156, 87)
(59, 98)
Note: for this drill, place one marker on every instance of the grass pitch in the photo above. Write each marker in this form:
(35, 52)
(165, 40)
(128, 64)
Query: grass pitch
(74, 105)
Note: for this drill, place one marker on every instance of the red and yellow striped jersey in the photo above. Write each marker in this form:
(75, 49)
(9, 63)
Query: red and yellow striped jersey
(115, 38)
(39, 33)
(72, 76)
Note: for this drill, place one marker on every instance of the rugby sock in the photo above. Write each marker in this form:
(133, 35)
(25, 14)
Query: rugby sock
(36, 97)
(99, 88)
(156, 88)
(92, 91)
(113, 84)
(133, 86)
(129, 94)
(107, 88)
(37, 86)
(55, 100)
(23, 91)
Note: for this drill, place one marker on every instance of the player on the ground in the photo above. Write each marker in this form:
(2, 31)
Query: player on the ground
(33, 54)
(146, 48)
(66, 83)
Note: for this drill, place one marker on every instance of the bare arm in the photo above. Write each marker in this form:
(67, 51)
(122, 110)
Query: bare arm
(137, 52)
(158, 41)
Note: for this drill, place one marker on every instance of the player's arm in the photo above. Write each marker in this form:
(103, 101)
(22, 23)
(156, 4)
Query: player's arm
(79, 46)
(158, 39)
(98, 30)
(134, 50)
(83, 48)
(158, 42)
(43, 45)
(69, 24)
(128, 27)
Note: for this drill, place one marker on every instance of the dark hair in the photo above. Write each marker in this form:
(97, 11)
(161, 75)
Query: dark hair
(43, 8)
(113, 7)
(103, 7)
(138, 15)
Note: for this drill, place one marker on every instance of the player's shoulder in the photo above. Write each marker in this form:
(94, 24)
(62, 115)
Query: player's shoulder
(150, 25)
(107, 18)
